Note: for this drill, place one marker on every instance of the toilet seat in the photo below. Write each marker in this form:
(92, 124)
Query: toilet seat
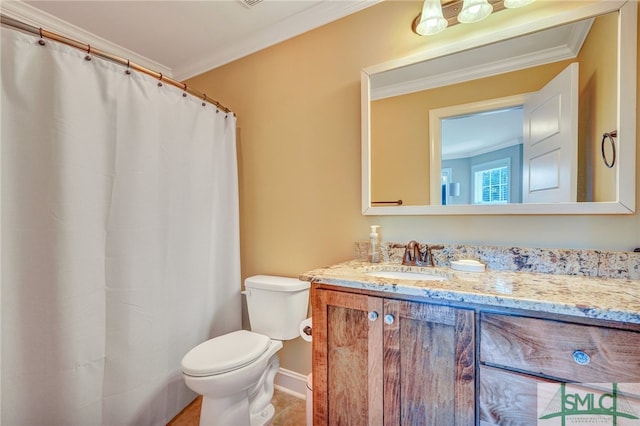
(224, 353)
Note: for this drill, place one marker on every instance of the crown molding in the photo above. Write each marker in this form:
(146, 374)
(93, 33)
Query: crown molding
(30, 15)
(473, 73)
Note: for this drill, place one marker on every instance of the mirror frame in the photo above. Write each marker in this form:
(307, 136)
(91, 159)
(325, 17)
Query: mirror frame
(626, 143)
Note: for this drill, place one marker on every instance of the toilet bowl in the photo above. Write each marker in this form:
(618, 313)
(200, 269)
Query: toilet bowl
(235, 372)
(236, 390)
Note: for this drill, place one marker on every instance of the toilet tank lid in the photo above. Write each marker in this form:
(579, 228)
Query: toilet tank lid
(273, 283)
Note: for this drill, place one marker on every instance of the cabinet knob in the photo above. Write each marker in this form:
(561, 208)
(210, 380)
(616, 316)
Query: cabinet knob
(373, 315)
(581, 357)
(388, 319)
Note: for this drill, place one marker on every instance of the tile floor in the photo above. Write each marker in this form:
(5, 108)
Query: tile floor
(290, 411)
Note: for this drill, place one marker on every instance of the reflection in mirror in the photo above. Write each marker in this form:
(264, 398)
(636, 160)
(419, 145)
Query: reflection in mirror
(482, 157)
(427, 148)
(544, 125)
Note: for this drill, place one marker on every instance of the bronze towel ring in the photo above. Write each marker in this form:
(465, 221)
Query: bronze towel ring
(610, 137)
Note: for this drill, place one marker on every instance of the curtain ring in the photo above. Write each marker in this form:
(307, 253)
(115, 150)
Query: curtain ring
(204, 99)
(41, 42)
(184, 94)
(610, 137)
(127, 71)
(88, 55)
(160, 80)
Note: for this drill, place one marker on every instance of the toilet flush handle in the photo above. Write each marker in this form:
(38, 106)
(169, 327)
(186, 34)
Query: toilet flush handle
(246, 292)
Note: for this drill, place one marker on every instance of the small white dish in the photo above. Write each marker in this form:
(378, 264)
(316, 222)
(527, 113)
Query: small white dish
(468, 265)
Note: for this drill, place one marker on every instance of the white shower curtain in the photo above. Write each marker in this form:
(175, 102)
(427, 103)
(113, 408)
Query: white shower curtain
(120, 238)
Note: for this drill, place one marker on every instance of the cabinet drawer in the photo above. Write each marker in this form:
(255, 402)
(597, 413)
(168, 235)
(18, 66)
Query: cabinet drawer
(553, 348)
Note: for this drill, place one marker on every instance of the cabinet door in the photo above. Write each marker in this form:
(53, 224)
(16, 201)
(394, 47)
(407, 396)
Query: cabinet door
(347, 359)
(508, 398)
(429, 364)
(378, 361)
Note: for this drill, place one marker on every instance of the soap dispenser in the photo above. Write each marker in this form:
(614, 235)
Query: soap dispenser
(374, 254)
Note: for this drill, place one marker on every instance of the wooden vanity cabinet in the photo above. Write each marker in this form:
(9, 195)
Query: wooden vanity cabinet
(380, 359)
(394, 362)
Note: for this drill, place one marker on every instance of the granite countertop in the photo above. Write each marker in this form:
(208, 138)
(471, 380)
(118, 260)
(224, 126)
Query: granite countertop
(587, 297)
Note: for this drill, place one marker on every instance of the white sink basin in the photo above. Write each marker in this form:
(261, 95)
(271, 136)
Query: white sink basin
(406, 275)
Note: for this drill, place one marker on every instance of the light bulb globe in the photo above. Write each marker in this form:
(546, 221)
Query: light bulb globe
(431, 20)
(431, 26)
(474, 11)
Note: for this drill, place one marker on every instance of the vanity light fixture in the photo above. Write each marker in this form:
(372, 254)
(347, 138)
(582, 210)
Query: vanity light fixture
(474, 11)
(431, 20)
(438, 14)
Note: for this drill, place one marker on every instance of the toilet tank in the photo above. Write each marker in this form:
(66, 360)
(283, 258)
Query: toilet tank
(276, 305)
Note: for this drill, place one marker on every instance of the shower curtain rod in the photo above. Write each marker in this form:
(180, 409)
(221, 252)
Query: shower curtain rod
(12, 22)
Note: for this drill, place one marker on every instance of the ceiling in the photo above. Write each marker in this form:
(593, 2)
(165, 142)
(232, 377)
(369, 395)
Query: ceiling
(479, 133)
(183, 38)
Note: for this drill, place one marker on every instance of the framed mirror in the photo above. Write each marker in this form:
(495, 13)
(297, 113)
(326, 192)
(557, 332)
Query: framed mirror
(426, 151)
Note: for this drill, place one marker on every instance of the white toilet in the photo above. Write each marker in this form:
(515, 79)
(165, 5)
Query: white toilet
(235, 372)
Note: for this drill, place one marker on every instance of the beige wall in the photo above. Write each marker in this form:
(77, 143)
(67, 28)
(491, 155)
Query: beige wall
(298, 107)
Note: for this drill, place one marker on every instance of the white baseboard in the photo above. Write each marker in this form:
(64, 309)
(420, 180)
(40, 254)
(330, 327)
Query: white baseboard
(292, 383)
